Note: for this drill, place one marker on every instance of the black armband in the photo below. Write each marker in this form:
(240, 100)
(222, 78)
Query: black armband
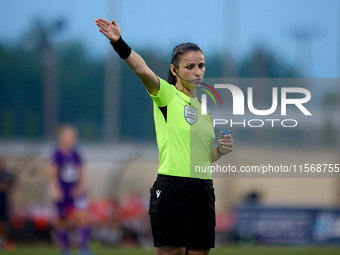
(121, 48)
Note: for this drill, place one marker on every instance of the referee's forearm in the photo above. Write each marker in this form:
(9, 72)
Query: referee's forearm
(136, 63)
(214, 154)
(145, 74)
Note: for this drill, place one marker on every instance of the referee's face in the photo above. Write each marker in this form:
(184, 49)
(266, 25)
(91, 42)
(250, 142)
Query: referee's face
(192, 69)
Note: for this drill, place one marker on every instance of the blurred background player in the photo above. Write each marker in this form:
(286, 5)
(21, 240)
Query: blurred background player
(66, 178)
(6, 182)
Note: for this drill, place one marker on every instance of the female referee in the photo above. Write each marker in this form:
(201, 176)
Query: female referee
(182, 203)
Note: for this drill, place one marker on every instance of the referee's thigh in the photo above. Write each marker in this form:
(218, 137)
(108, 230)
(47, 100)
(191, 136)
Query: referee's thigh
(202, 231)
(171, 212)
(182, 215)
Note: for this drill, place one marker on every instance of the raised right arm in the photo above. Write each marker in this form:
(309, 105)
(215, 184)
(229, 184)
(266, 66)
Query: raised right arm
(137, 64)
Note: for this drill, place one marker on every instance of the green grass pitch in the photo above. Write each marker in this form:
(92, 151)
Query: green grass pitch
(255, 250)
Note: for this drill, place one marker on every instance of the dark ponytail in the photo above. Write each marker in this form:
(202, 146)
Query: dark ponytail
(179, 51)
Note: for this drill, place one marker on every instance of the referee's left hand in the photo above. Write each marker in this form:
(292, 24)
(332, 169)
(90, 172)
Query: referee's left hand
(225, 143)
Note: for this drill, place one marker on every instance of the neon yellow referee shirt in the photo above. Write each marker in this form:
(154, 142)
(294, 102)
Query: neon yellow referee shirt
(184, 135)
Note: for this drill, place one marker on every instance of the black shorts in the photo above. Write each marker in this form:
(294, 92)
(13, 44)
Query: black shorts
(182, 212)
(3, 207)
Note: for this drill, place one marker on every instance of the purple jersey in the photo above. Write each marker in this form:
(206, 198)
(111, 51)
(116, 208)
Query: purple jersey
(68, 169)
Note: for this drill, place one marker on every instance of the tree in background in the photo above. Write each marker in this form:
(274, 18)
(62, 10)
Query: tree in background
(81, 89)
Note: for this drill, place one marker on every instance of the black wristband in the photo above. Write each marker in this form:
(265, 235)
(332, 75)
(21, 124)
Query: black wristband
(121, 48)
(220, 154)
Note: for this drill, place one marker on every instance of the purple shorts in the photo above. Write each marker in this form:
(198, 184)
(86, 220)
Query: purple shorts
(69, 204)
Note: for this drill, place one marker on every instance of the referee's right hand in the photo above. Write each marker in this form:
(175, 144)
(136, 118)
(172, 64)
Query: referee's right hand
(110, 30)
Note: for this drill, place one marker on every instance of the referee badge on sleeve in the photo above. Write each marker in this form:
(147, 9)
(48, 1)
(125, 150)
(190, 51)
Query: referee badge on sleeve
(190, 114)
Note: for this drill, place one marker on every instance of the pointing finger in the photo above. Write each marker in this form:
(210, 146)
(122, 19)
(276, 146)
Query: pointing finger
(103, 27)
(103, 21)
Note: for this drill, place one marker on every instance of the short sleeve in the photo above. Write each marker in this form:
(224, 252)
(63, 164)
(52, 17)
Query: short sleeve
(165, 93)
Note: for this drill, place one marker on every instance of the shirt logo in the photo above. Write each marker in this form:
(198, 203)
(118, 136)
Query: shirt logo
(190, 114)
(69, 173)
(158, 193)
